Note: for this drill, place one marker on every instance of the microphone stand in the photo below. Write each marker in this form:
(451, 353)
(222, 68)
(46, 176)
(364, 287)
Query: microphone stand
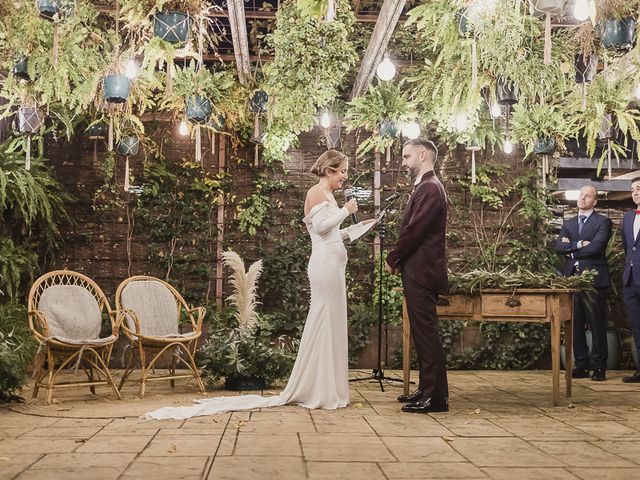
(377, 375)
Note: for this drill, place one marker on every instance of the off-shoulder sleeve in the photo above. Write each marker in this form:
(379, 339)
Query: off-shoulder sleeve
(323, 219)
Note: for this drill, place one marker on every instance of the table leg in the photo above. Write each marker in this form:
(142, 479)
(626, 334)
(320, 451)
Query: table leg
(406, 347)
(556, 324)
(568, 349)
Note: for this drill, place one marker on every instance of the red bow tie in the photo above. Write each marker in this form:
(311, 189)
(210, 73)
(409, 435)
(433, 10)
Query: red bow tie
(637, 212)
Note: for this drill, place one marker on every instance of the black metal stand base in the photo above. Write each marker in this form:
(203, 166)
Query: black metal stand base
(377, 375)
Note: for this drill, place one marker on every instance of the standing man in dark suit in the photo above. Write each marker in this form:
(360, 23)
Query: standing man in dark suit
(583, 240)
(631, 274)
(420, 257)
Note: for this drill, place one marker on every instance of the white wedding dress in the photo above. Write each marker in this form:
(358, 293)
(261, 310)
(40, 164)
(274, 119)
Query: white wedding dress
(319, 378)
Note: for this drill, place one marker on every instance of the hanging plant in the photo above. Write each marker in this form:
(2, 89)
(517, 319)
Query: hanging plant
(311, 61)
(617, 20)
(543, 128)
(172, 26)
(116, 88)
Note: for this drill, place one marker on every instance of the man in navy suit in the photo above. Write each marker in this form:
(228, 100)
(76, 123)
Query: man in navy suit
(583, 240)
(631, 274)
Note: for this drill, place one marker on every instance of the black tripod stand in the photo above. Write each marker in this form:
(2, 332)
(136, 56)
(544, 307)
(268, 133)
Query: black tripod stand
(377, 375)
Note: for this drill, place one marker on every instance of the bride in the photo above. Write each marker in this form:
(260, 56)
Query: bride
(319, 378)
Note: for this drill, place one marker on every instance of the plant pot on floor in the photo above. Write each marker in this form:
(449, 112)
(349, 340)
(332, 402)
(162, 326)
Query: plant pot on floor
(128, 145)
(613, 346)
(173, 27)
(116, 88)
(585, 68)
(544, 146)
(240, 384)
(618, 33)
(199, 109)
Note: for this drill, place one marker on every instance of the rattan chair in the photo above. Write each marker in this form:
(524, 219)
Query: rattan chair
(65, 311)
(153, 309)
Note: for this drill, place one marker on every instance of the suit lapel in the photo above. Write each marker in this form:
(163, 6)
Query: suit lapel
(590, 223)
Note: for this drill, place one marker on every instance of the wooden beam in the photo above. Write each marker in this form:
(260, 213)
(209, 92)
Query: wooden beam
(240, 41)
(382, 32)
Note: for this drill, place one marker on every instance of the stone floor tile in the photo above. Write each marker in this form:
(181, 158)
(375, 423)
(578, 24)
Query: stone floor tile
(330, 422)
(605, 473)
(12, 432)
(627, 449)
(115, 444)
(582, 454)
(55, 461)
(410, 425)
(96, 473)
(513, 473)
(81, 422)
(228, 442)
(69, 432)
(474, 427)
(190, 431)
(38, 445)
(257, 444)
(182, 445)
(540, 427)
(169, 468)
(138, 426)
(18, 420)
(604, 429)
(502, 452)
(421, 449)
(258, 468)
(11, 465)
(344, 471)
(209, 422)
(424, 471)
(273, 422)
(342, 448)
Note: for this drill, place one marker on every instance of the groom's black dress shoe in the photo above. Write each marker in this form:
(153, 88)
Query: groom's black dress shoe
(635, 378)
(411, 397)
(599, 375)
(427, 405)
(580, 373)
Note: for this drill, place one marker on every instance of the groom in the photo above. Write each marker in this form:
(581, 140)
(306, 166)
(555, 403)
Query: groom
(420, 257)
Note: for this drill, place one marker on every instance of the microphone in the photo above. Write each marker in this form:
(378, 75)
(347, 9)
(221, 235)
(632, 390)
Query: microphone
(348, 195)
(391, 198)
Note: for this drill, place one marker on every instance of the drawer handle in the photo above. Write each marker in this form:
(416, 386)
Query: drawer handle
(512, 302)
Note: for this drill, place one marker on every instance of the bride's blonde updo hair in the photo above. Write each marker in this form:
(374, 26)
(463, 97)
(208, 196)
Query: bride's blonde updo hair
(329, 160)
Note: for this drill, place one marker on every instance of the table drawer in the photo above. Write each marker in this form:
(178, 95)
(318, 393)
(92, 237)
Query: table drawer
(507, 305)
(457, 305)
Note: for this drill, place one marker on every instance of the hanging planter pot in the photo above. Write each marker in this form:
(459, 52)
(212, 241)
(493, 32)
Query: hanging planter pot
(618, 34)
(542, 7)
(116, 88)
(608, 128)
(388, 128)
(199, 109)
(585, 71)
(97, 131)
(29, 119)
(172, 27)
(258, 101)
(48, 9)
(128, 145)
(216, 123)
(20, 69)
(544, 146)
(462, 19)
(506, 92)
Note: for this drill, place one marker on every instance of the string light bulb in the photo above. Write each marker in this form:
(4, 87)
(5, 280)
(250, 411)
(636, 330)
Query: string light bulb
(581, 10)
(507, 147)
(325, 119)
(461, 122)
(386, 69)
(411, 130)
(131, 69)
(637, 90)
(496, 111)
(183, 129)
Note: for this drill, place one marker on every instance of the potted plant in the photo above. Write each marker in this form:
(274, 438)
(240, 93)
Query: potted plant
(244, 354)
(542, 128)
(617, 20)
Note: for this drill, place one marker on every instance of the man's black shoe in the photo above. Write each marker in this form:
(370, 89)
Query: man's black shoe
(599, 375)
(580, 373)
(411, 397)
(635, 378)
(427, 405)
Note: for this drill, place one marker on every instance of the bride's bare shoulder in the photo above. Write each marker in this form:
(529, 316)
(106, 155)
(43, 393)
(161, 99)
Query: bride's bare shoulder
(315, 196)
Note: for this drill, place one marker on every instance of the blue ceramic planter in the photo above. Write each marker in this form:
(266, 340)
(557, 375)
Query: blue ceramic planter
(116, 88)
(199, 109)
(173, 27)
(258, 102)
(388, 128)
(506, 92)
(128, 145)
(544, 146)
(97, 131)
(48, 8)
(20, 69)
(619, 34)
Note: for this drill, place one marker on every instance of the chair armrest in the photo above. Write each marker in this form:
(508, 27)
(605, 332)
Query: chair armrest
(117, 318)
(123, 324)
(38, 325)
(201, 311)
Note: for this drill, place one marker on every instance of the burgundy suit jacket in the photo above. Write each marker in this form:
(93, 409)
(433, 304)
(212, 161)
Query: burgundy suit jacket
(421, 249)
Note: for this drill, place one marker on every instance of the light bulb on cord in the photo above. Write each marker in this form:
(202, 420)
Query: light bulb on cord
(386, 70)
(572, 195)
(581, 10)
(637, 90)
(411, 130)
(461, 122)
(507, 147)
(496, 111)
(183, 129)
(131, 69)
(325, 119)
